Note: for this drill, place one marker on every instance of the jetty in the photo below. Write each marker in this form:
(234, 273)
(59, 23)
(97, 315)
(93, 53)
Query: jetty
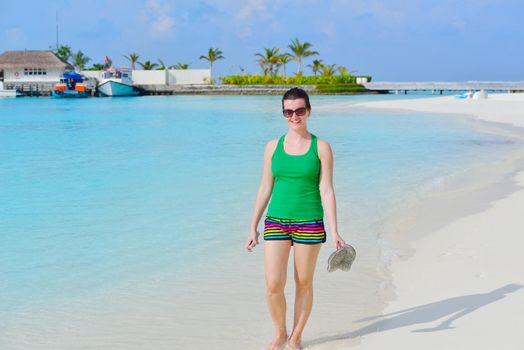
(440, 87)
(219, 89)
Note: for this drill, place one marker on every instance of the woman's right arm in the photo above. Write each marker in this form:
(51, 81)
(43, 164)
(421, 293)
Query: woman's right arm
(263, 195)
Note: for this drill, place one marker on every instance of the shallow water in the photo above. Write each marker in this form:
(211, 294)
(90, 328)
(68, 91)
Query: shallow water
(107, 203)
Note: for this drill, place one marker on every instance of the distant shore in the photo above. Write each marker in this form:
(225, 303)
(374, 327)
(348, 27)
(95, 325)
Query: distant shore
(227, 89)
(44, 90)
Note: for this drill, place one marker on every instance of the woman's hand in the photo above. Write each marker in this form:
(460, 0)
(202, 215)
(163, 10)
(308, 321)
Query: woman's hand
(252, 240)
(338, 242)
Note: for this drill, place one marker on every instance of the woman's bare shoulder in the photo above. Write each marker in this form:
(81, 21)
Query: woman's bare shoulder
(272, 142)
(323, 146)
(271, 145)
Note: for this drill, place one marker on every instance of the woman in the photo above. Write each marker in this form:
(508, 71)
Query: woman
(298, 177)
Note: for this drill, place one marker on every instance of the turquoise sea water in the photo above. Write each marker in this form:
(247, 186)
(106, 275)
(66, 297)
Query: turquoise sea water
(97, 191)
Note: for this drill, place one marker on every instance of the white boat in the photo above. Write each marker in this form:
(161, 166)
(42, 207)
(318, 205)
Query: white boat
(7, 93)
(117, 82)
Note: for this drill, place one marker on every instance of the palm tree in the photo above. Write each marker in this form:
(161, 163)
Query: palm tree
(285, 59)
(64, 52)
(180, 66)
(147, 65)
(133, 58)
(316, 66)
(269, 60)
(161, 65)
(212, 56)
(300, 51)
(342, 70)
(328, 70)
(97, 66)
(80, 60)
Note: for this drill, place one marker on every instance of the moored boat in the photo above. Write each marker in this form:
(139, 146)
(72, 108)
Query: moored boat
(71, 86)
(7, 92)
(117, 82)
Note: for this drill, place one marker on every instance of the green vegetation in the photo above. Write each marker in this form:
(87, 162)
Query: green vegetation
(133, 58)
(340, 88)
(293, 80)
(269, 61)
(148, 65)
(327, 84)
(161, 65)
(212, 56)
(64, 52)
(180, 66)
(300, 51)
(327, 77)
(97, 66)
(80, 60)
(316, 66)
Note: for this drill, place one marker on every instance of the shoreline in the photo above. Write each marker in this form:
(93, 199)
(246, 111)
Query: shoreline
(44, 90)
(429, 236)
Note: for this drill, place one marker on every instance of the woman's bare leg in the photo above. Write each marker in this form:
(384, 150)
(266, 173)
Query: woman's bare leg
(276, 256)
(305, 262)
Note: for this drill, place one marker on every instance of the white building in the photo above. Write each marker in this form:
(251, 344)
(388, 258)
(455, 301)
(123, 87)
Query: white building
(31, 66)
(164, 77)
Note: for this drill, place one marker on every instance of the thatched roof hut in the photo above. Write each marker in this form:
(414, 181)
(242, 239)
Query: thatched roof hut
(32, 59)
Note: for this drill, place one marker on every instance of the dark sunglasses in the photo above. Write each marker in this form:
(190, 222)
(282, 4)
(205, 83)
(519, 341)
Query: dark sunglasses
(300, 112)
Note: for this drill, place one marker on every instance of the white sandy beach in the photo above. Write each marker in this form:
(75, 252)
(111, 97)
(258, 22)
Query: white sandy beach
(463, 286)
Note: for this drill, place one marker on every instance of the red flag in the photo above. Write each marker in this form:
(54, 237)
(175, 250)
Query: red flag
(108, 62)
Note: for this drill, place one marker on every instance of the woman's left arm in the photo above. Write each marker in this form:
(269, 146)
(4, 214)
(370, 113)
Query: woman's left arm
(327, 192)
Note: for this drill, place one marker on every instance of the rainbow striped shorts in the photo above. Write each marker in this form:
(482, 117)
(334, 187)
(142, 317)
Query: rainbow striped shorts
(301, 231)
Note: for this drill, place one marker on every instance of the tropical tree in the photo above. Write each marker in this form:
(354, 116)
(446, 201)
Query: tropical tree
(300, 51)
(64, 52)
(316, 66)
(342, 70)
(180, 66)
(80, 60)
(283, 60)
(161, 65)
(269, 60)
(148, 65)
(329, 70)
(133, 58)
(212, 56)
(97, 66)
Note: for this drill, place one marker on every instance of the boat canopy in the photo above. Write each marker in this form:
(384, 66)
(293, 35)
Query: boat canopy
(73, 75)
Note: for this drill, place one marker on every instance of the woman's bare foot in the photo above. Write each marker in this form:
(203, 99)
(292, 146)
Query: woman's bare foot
(278, 343)
(293, 344)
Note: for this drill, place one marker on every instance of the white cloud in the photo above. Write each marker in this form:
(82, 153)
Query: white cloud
(252, 7)
(159, 18)
(248, 15)
(162, 25)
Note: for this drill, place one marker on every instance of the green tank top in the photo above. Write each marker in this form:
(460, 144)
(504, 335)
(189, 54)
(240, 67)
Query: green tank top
(296, 193)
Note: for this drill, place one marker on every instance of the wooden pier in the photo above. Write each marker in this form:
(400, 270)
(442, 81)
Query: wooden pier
(43, 89)
(440, 87)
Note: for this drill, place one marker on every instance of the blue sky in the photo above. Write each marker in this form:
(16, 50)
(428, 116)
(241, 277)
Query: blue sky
(392, 40)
